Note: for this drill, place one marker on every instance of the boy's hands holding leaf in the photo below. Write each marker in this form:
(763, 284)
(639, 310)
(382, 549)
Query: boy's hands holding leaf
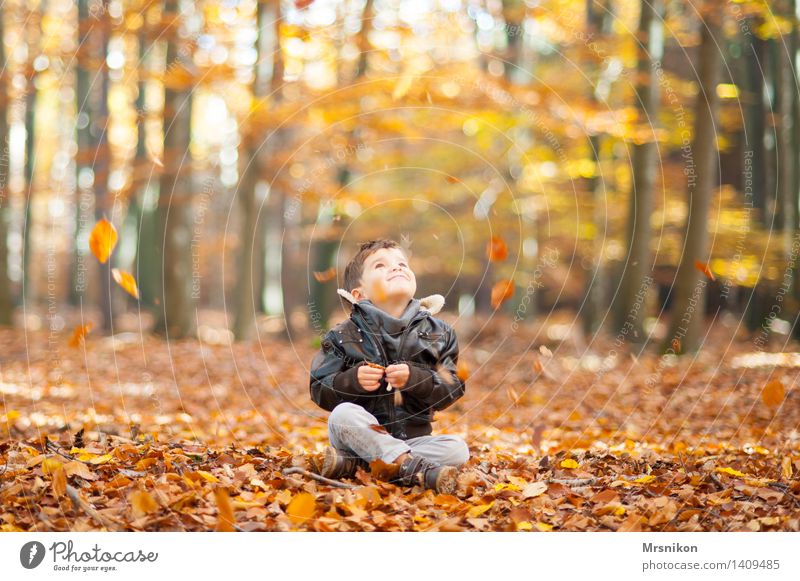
(370, 374)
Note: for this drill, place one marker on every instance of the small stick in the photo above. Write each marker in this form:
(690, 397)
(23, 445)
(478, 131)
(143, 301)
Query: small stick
(318, 478)
(573, 481)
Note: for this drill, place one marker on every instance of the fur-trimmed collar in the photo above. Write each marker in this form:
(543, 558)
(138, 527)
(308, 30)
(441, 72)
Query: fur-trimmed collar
(431, 303)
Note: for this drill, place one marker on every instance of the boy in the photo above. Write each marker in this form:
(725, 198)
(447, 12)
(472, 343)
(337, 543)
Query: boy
(384, 371)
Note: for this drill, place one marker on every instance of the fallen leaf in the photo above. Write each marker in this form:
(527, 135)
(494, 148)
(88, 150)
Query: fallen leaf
(126, 281)
(59, 482)
(731, 472)
(225, 518)
(478, 510)
(102, 240)
(569, 463)
(142, 503)
(302, 507)
(534, 489)
(786, 467)
(383, 471)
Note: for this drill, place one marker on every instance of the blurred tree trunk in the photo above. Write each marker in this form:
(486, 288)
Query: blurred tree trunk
(634, 284)
(143, 202)
(33, 40)
(250, 281)
(690, 291)
(101, 162)
(598, 22)
(785, 88)
(83, 162)
(6, 299)
(176, 313)
(755, 117)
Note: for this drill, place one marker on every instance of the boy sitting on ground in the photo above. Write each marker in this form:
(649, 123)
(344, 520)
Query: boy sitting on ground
(383, 372)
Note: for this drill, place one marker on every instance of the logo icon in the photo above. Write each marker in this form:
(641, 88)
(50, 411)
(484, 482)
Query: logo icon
(31, 554)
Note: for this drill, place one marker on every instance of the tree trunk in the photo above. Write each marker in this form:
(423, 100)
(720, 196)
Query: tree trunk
(251, 258)
(6, 299)
(755, 128)
(177, 310)
(688, 306)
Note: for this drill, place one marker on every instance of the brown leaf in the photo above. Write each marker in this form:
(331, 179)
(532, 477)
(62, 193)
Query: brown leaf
(383, 471)
(225, 518)
(773, 393)
(102, 240)
(142, 503)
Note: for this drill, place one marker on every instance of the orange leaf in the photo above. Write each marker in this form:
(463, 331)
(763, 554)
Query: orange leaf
(462, 370)
(786, 467)
(126, 281)
(326, 275)
(773, 393)
(142, 503)
(302, 507)
(453, 180)
(703, 267)
(59, 482)
(225, 518)
(102, 240)
(79, 334)
(383, 471)
(501, 292)
(497, 250)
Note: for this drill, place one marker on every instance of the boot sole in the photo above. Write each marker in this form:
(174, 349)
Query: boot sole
(446, 481)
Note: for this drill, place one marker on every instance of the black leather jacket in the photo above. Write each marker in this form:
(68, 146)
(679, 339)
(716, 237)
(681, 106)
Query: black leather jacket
(428, 345)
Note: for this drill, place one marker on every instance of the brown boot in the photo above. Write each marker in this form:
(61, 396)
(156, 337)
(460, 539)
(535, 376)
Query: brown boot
(336, 464)
(417, 470)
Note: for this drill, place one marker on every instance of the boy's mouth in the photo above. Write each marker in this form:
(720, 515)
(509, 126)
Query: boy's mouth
(398, 276)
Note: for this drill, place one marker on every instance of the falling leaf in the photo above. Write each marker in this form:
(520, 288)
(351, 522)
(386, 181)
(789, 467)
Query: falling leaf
(102, 240)
(326, 275)
(126, 281)
(501, 292)
(302, 507)
(569, 463)
(225, 518)
(79, 334)
(462, 370)
(142, 503)
(513, 396)
(773, 393)
(497, 250)
(676, 345)
(534, 489)
(703, 267)
(402, 87)
(453, 180)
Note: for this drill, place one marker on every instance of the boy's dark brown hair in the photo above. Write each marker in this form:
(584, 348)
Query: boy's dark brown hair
(355, 268)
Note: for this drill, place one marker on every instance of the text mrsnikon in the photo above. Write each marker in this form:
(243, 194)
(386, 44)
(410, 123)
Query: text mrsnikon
(65, 552)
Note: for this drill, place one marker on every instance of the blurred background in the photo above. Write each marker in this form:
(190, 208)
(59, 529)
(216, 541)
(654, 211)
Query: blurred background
(614, 166)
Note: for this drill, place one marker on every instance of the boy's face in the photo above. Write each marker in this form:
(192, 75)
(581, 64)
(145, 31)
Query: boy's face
(386, 276)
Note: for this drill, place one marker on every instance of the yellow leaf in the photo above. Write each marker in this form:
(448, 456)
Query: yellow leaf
(207, 476)
(126, 281)
(51, 465)
(225, 518)
(402, 87)
(645, 479)
(544, 527)
(619, 511)
(524, 526)
(101, 459)
(478, 510)
(142, 503)
(731, 472)
(786, 467)
(102, 240)
(11, 415)
(302, 507)
(569, 463)
(773, 393)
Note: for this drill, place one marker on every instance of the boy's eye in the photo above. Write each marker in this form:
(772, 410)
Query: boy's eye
(378, 264)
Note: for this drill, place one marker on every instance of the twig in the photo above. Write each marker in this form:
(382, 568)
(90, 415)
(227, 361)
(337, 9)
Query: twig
(317, 477)
(573, 481)
(89, 509)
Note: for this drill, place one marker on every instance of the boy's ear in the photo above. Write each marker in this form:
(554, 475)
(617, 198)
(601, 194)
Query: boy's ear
(357, 294)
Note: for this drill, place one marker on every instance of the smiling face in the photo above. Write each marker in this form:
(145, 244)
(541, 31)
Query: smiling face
(386, 276)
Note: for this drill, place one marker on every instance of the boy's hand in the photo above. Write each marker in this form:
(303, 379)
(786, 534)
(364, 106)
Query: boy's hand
(397, 375)
(370, 377)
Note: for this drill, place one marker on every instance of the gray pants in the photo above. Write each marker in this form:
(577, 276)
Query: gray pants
(349, 431)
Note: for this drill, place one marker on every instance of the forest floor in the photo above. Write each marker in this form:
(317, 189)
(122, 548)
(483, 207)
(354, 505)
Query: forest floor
(132, 433)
